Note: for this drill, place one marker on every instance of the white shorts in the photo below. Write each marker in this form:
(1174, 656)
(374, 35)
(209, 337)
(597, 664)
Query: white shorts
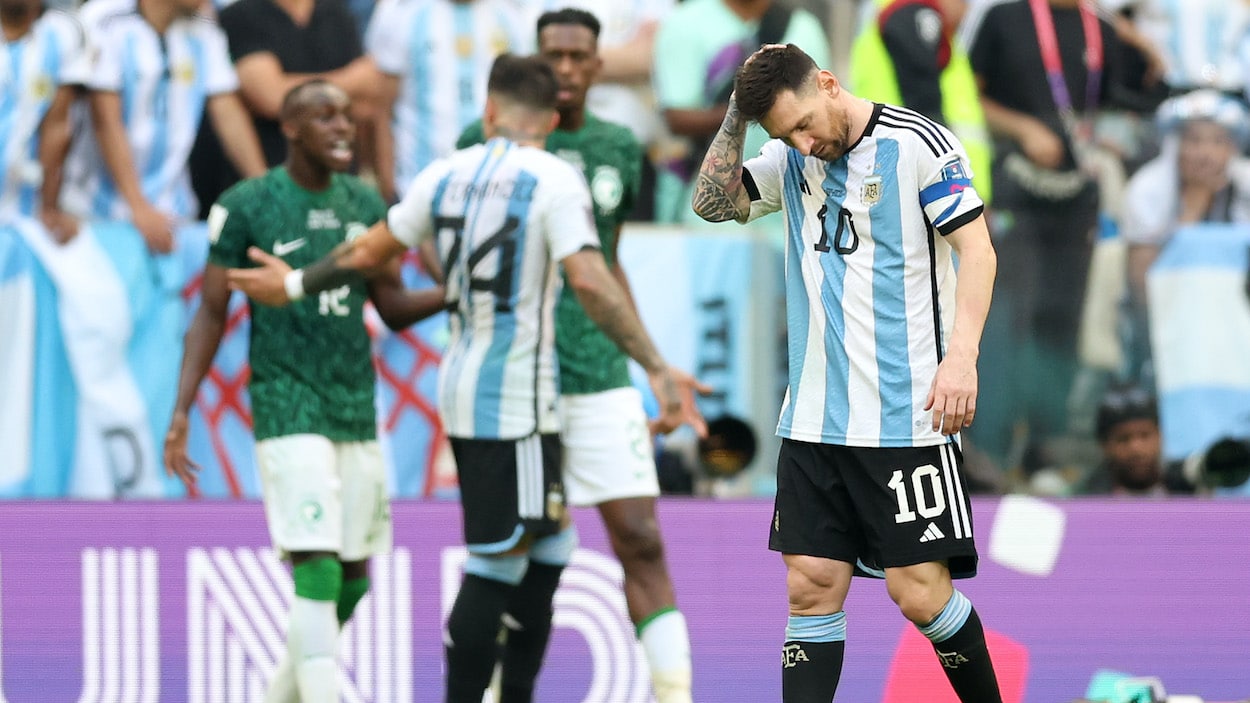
(607, 447)
(323, 496)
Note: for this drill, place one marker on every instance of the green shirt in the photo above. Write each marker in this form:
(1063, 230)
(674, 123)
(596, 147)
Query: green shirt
(611, 160)
(312, 370)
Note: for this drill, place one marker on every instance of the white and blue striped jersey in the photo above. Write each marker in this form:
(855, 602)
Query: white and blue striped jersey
(441, 52)
(870, 283)
(163, 83)
(32, 68)
(503, 216)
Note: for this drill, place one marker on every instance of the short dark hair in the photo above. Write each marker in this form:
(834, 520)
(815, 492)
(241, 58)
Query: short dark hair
(570, 15)
(758, 83)
(294, 98)
(524, 80)
(1121, 404)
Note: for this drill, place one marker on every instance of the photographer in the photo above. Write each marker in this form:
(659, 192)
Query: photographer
(1127, 428)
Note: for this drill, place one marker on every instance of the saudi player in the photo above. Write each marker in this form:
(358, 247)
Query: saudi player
(608, 460)
(502, 215)
(883, 349)
(312, 381)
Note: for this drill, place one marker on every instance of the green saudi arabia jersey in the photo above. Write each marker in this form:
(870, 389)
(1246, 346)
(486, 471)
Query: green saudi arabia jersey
(611, 160)
(312, 370)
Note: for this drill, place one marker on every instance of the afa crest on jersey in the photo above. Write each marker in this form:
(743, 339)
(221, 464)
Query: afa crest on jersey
(871, 194)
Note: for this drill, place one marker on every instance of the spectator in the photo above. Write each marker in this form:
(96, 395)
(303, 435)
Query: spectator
(45, 62)
(276, 45)
(907, 54)
(702, 43)
(1198, 177)
(622, 92)
(1127, 428)
(434, 56)
(1196, 40)
(1039, 106)
(157, 70)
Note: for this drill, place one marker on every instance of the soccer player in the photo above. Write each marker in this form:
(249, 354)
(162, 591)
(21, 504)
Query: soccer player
(502, 215)
(883, 350)
(608, 461)
(312, 382)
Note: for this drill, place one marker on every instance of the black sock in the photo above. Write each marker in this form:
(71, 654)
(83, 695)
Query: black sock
(810, 671)
(528, 621)
(472, 629)
(967, 664)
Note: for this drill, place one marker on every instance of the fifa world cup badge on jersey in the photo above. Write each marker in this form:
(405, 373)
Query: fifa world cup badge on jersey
(872, 190)
(953, 170)
(606, 188)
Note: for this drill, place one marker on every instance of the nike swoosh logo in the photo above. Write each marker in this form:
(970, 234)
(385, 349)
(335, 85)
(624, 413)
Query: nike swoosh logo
(284, 248)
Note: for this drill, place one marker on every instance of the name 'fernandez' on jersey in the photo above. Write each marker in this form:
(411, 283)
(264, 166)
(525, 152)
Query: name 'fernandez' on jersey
(502, 216)
(870, 280)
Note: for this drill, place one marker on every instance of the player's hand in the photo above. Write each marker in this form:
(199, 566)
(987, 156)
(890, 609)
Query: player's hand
(156, 227)
(1042, 145)
(61, 225)
(953, 395)
(177, 463)
(263, 283)
(674, 391)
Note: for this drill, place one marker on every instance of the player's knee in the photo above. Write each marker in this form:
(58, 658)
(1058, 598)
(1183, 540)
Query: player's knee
(509, 569)
(638, 541)
(815, 585)
(919, 600)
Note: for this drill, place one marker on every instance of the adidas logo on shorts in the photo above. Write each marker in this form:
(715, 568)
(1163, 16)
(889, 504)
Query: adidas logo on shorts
(931, 533)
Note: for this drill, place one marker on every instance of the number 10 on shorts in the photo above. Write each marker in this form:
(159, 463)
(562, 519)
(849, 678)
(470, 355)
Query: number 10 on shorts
(917, 497)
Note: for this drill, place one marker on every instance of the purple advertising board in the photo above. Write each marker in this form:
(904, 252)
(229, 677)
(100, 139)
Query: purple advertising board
(184, 601)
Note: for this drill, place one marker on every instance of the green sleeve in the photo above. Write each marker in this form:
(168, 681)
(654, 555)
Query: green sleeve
(471, 135)
(229, 231)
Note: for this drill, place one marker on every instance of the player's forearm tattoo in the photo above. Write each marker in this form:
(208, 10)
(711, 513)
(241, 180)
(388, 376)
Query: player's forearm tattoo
(329, 271)
(719, 194)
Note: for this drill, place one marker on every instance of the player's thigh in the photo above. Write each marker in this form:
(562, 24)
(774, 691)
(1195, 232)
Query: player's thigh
(813, 513)
(366, 506)
(509, 489)
(302, 493)
(607, 447)
(913, 505)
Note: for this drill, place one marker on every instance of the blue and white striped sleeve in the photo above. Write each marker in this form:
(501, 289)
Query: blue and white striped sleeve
(946, 191)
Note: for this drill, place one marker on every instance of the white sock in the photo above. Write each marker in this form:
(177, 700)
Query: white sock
(282, 687)
(667, 646)
(314, 639)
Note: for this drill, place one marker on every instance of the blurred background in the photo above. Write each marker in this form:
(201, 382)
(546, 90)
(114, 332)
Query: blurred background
(1114, 366)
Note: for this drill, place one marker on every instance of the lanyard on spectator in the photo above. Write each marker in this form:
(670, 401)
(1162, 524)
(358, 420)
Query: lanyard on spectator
(1048, 42)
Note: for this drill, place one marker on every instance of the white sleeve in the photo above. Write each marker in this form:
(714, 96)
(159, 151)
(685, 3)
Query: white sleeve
(564, 209)
(73, 65)
(762, 176)
(104, 71)
(1148, 209)
(411, 220)
(385, 38)
(219, 75)
(945, 179)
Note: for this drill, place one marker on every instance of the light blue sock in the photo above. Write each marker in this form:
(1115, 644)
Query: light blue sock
(950, 620)
(817, 628)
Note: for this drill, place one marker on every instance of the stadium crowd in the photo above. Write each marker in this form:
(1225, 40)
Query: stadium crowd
(1096, 132)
